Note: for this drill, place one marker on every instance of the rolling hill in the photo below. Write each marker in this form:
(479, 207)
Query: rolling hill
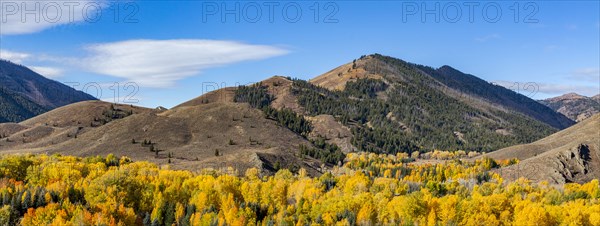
(571, 155)
(574, 106)
(385, 105)
(375, 103)
(215, 135)
(25, 93)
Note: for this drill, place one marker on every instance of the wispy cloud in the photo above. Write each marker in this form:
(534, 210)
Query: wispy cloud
(487, 37)
(148, 63)
(18, 19)
(160, 63)
(20, 58)
(48, 72)
(558, 89)
(537, 89)
(15, 57)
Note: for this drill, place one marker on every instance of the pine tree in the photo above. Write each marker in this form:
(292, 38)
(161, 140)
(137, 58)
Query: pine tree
(169, 213)
(27, 203)
(147, 220)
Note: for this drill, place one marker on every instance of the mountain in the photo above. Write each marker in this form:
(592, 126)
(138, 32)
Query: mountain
(15, 107)
(571, 155)
(375, 103)
(498, 95)
(574, 106)
(392, 105)
(25, 93)
(212, 135)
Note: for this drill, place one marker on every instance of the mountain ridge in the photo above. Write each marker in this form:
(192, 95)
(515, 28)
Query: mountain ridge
(375, 103)
(574, 106)
(25, 93)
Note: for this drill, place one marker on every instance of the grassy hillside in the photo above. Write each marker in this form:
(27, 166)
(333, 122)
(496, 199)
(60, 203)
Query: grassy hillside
(571, 155)
(188, 137)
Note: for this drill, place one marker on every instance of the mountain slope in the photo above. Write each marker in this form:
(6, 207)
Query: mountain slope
(15, 107)
(24, 93)
(497, 95)
(213, 135)
(574, 106)
(571, 155)
(376, 104)
(392, 105)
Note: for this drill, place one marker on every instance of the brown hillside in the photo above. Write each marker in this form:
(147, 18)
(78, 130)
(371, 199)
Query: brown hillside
(224, 95)
(281, 89)
(332, 131)
(337, 78)
(571, 155)
(10, 128)
(80, 114)
(190, 135)
(63, 124)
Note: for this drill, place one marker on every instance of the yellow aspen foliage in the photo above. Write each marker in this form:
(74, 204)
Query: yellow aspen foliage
(575, 213)
(448, 212)
(432, 218)
(592, 188)
(368, 189)
(366, 215)
(594, 214)
(344, 222)
(528, 213)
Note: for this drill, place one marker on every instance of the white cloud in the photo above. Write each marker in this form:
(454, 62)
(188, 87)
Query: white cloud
(160, 63)
(568, 88)
(26, 16)
(48, 72)
(14, 57)
(536, 89)
(19, 57)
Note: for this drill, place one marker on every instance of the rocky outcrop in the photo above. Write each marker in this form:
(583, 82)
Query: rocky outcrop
(573, 164)
(571, 155)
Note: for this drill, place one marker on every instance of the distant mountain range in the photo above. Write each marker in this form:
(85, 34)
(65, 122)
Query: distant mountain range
(574, 106)
(375, 103)
(25, 93)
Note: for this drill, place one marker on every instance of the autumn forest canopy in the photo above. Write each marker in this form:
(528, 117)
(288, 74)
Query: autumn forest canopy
(368, 189)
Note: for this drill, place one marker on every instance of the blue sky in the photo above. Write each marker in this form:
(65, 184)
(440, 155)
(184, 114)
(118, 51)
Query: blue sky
(167, 52)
